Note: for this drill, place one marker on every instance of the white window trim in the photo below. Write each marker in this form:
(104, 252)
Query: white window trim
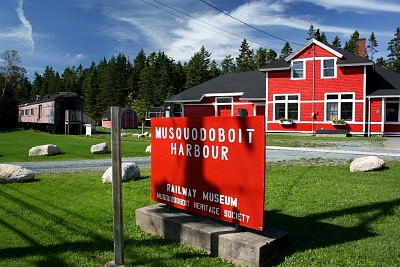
(304, 70)
(334, 68)
(286, 101)
(339, 101)
(216, 104)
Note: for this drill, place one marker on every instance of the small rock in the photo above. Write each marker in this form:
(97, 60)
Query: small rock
(148, 149)
(129, 171)
(365, 164)
(44, 150)
(12, 173)
(101, 148)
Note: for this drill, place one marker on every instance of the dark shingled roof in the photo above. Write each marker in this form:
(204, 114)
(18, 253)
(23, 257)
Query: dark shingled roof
(383, 82)
(52, 97)
(251, 84)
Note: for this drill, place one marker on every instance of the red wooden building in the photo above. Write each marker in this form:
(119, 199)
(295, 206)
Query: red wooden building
(129, 119)
(231, 94)
(318, 88)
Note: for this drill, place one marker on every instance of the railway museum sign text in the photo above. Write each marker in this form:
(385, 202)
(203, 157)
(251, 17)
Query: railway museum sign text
(213, 166)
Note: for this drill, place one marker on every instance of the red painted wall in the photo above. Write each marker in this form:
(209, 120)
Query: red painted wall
(348, 79)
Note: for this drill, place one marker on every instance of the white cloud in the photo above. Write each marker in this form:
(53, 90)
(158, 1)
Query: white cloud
(21, 36)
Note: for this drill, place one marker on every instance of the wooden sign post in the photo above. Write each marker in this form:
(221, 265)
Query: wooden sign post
(117, 187)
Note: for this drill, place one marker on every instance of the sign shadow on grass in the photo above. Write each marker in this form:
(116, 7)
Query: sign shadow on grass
(313, 232)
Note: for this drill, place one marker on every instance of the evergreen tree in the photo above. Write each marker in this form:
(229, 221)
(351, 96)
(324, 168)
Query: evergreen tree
(197, 70)
(90, 90)
(316, 34)
(36, 86)
(227, 65)
(261, 57)
(323, 38)
(69, 80)
(271, 55)
(214, 70)
(179, 78)
(372, 44)
(380, 61)
(393, 61)
(286, 50)
(104, 82)
(139, 64)
(352, 44)
(47, 84)
(336, 42)
(245, 60)
(311, 33)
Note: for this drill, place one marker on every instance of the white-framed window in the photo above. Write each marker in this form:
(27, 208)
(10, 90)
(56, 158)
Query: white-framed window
(298, 70)
(328, 68)
(223, 106)
(286, 106)
(392, 110)
(223, 100)
(340, 106)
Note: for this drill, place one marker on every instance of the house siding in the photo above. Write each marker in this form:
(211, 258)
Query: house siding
(312, 100)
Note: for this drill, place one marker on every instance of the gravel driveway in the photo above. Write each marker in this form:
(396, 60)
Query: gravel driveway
(337, 153)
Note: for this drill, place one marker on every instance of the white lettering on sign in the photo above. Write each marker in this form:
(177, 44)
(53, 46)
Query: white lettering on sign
(236, 216)
(180, 190)
(206, 208)
(205, 151)
(220, 135)
(221, 199)
(176, 200)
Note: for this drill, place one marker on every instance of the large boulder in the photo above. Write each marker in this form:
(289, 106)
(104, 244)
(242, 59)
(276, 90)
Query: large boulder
(101, 148)
(129, 171)
(44, 150)
(365, 164)
(12, 173)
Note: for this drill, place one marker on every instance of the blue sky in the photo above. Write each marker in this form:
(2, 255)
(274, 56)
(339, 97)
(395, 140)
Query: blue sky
(72, 32)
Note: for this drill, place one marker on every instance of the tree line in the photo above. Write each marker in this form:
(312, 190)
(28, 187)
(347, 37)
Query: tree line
(150, 79)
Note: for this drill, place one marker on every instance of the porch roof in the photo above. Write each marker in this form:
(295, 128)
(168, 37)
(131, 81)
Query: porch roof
(249, 85)
(383, 83)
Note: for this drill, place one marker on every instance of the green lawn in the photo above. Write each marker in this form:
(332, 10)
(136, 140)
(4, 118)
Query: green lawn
(15, 145)
(334, 218)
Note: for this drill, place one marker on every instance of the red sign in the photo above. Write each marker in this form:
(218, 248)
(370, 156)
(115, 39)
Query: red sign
(214, 166)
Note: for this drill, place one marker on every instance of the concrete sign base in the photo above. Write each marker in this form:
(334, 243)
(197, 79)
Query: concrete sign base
(217, 238)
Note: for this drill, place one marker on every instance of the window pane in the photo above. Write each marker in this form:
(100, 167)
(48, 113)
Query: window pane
(346, 111)
(298, 69)
(224, 100)
(331, 111)
(279, 111)
(332, 97)
(293, 97)
(328, 68)
(347, 96)
(392, 112)
(328, 63)
(293, 111)
(280, 97)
